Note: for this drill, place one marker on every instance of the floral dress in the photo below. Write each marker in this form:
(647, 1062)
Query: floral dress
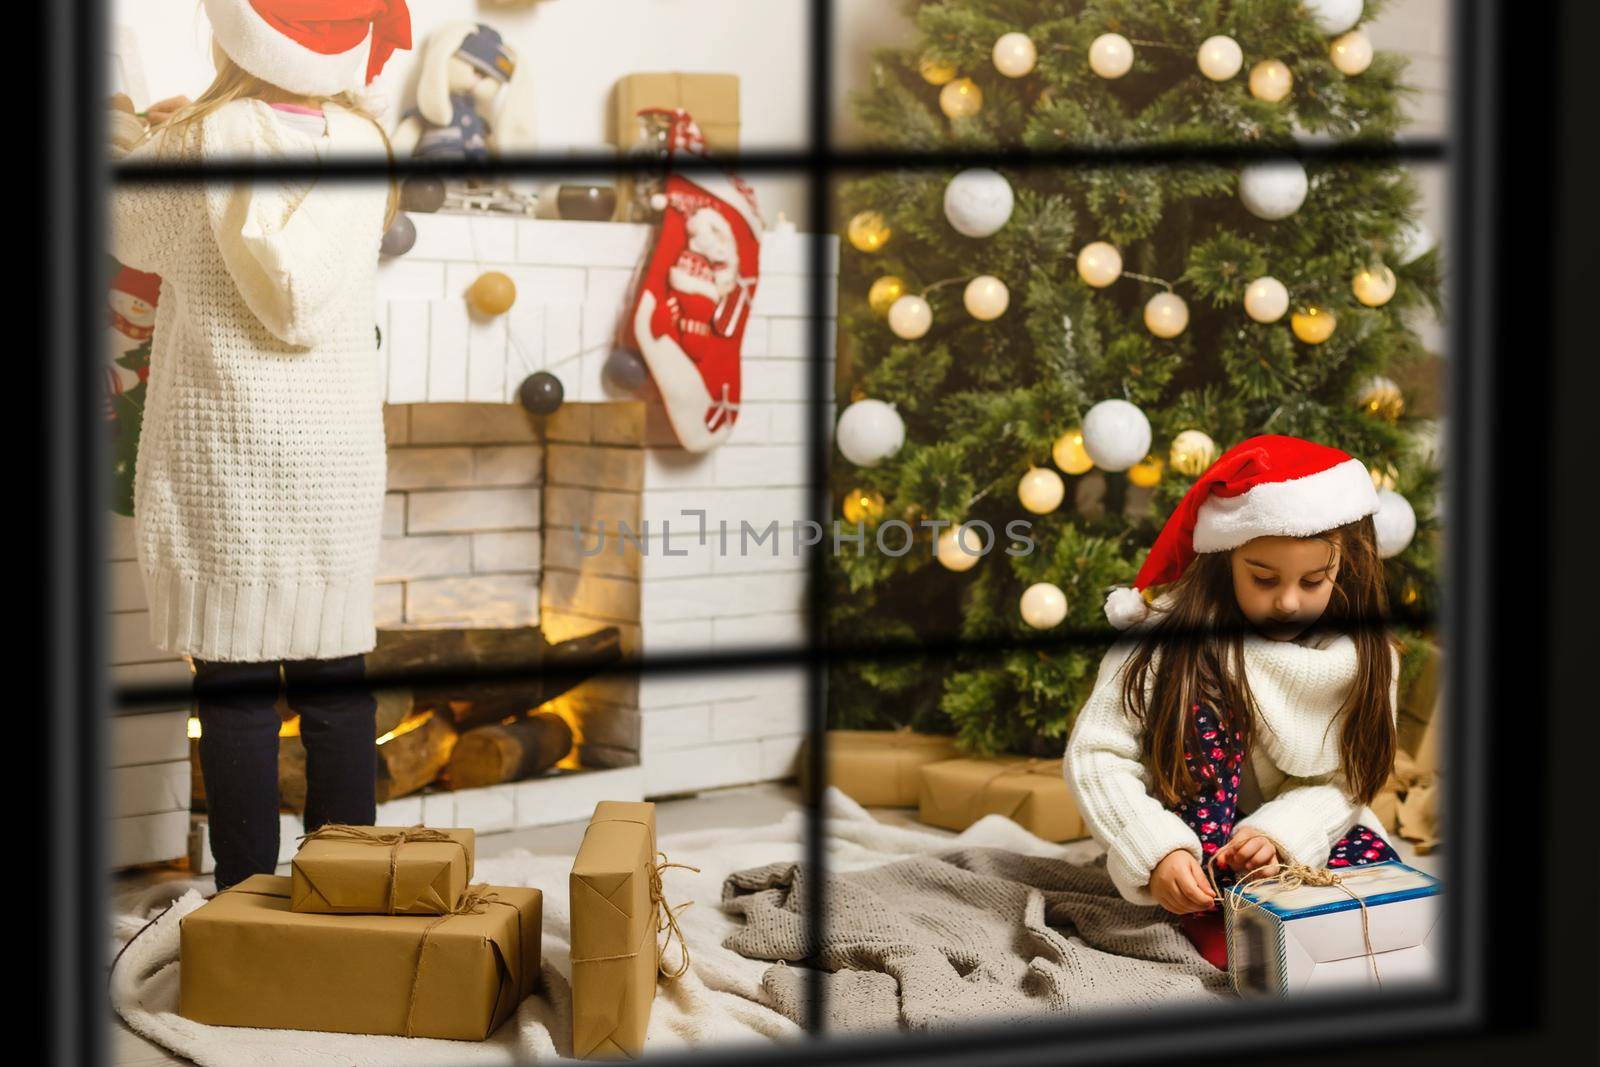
(1215, 757)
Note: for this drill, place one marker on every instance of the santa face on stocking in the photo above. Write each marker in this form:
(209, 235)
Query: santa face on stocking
(694, 302)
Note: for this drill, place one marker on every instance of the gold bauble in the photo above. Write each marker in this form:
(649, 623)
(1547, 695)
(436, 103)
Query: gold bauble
(492, 293)
(884, 292)
(1373, 286)
(860, 505)
(1351, 53)
(868, 231)
(1041, 490)
(1192, 452)
(959, 549)
(1271, 80)
(1069, 453)
(1146, 474)
(1381, 397)
(934, 72)
(1313, 325)
(961, 99)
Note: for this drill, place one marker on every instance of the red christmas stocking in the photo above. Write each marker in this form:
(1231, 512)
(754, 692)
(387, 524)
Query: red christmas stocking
(694, 301)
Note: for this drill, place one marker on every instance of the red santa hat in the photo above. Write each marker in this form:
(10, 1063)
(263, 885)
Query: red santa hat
(1266, 486)
(312, 47)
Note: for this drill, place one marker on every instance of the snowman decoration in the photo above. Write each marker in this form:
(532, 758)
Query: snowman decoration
(131, 307)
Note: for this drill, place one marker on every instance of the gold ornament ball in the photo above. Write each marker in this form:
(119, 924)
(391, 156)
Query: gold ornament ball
(1381, 397)
(1351, 53)
(1266, 299)
(863, 506)
(1043, 605)
(1373, 286)
(961, 99)
(1192, 452)
(1166, 315)
(1384, 477)
(1041, 490)
(884, 292)
(1219, 58)
(910, 317)
(492, 293)
(868, 231)
(986, 298)
(1146, 474)
(1313, 325)
(934, 72)
(1110, 55)
(1270, 80)
(1069, 453)
(959, 549)
(1014, 54)
(1099, 264)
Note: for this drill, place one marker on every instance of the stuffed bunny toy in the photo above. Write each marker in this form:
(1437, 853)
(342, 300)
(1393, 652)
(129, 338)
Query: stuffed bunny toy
(473, 98)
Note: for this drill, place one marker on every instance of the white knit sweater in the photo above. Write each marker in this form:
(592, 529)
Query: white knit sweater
(1291, 786)
(258, 491)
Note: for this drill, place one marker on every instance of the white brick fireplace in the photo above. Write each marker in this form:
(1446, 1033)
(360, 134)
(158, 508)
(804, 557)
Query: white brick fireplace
(483, 497)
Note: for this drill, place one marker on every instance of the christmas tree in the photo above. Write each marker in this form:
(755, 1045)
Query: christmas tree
(1220, 297)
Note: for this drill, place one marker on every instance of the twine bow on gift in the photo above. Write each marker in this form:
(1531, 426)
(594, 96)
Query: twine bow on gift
(394, 839)
(1290, 876)
(666, 916)
(1032, 765)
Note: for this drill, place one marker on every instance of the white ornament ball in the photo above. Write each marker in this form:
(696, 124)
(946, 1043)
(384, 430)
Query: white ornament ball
(1099, 264)
(1413, 241)
(1014, 54)
(1333, 16)
(1166, 315)
(1043, 605)
(910, 317)
(986, 297)
(1373, 286)
(1116, 435)
(978, 202)
(959, 548)
(1395, 523)
(1273, 190)
(869, 432)
(1266, 299)
(1351, 53)
(1271, 80)
(1110, 55)
(1041, 490)
(1219, 58)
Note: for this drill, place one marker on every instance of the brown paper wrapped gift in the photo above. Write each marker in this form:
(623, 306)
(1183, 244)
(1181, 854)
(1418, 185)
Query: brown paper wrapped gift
(381, 870)
(615, 889)
(1409, 801)
(247, 959)
(879, 768)
(1031, 792)
(711, 99)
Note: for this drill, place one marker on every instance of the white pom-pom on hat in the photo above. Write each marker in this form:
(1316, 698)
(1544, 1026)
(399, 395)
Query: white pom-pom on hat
(1125, 608)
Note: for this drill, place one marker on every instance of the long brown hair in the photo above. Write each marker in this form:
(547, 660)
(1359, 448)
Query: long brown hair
(1200, 638)
(232, 83)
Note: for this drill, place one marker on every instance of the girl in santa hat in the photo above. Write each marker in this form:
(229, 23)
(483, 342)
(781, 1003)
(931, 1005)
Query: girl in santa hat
(1249, 718)
(260, 475)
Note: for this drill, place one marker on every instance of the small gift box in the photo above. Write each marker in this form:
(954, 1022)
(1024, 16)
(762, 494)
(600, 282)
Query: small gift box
(248, 959)
(1308, 930)
(381, 870)
(879, 768)
(1032, 793)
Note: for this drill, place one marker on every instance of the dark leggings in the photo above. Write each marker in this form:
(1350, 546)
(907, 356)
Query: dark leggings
(239, 724)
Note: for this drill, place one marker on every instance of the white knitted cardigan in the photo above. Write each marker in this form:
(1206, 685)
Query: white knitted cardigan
(258, 491)
(1292, 785)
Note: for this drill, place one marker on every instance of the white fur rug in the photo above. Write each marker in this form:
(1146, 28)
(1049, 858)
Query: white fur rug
(719, 1002)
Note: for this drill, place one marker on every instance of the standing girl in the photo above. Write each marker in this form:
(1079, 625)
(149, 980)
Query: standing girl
(1252, 720)
(260, 476)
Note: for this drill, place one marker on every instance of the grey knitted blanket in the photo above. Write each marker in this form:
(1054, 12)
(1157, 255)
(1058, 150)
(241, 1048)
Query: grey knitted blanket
(937, 942)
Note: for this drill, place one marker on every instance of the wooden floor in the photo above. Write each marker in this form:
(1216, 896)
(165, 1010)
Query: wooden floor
(757, 805)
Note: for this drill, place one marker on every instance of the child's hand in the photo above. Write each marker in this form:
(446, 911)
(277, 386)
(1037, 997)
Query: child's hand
(1179, 884)
(162, 110)
(1248, 850)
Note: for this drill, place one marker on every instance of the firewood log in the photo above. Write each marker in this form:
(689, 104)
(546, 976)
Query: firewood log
(509, 751)
(413, 755)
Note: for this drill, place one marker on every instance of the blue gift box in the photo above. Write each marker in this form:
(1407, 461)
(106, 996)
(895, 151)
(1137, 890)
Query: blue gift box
(1286, 940)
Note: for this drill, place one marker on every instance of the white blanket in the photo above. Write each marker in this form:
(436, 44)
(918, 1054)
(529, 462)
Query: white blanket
(718, 1002)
